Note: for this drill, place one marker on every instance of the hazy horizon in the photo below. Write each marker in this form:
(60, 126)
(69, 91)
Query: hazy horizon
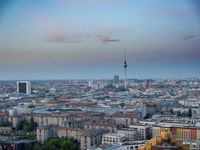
(111, 78)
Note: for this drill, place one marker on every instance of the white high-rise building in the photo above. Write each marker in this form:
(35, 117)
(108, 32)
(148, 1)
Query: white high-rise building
(24, 87)
(97, 84)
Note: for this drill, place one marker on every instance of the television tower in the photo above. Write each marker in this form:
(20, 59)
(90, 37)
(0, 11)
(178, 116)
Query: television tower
(125, 72)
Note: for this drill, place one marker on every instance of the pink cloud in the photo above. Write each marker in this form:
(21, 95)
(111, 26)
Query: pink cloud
(61, 38)
(107, 38)
(64, 33)
(106, 34)
(54, 34)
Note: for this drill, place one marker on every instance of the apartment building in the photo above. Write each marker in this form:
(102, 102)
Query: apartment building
(90, 139)
(131, 134)
(124, 119)
(144, 131)
(86, 137)
(113, 138)
(183, 133)
(110, 127)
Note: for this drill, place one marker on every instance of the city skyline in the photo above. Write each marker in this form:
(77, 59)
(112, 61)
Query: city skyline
(64, 39)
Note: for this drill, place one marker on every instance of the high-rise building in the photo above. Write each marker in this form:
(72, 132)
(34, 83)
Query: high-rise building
(147, 84)
(24, 87)
(116, 78)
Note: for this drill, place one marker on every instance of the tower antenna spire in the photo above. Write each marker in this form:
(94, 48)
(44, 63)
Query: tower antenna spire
(125, 70)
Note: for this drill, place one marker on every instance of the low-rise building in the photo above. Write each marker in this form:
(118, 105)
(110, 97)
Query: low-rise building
(86, 137)
(131, 134)
(113, 138)
(17, 144)
(110, 127)
(180, 132)
(124, 119)
(90, 139)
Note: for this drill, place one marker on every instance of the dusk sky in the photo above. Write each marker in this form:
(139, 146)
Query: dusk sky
(81, 39)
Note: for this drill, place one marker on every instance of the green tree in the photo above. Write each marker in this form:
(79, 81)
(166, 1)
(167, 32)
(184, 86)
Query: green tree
(20, 125)
(31, 106)
(179, 113)
(190, 112)
(37, 147)
(59, 144)
(183, 114)
(171, 111)
(27, 126)
(33, 124)
(147, 116)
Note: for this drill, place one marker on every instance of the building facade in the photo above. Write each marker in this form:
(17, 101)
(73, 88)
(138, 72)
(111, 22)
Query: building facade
(24, 87)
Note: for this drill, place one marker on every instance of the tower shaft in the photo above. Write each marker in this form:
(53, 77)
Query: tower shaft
(125, 70)
(125, 78)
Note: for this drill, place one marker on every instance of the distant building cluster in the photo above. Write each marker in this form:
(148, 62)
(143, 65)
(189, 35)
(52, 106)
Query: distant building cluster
(102, 114)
